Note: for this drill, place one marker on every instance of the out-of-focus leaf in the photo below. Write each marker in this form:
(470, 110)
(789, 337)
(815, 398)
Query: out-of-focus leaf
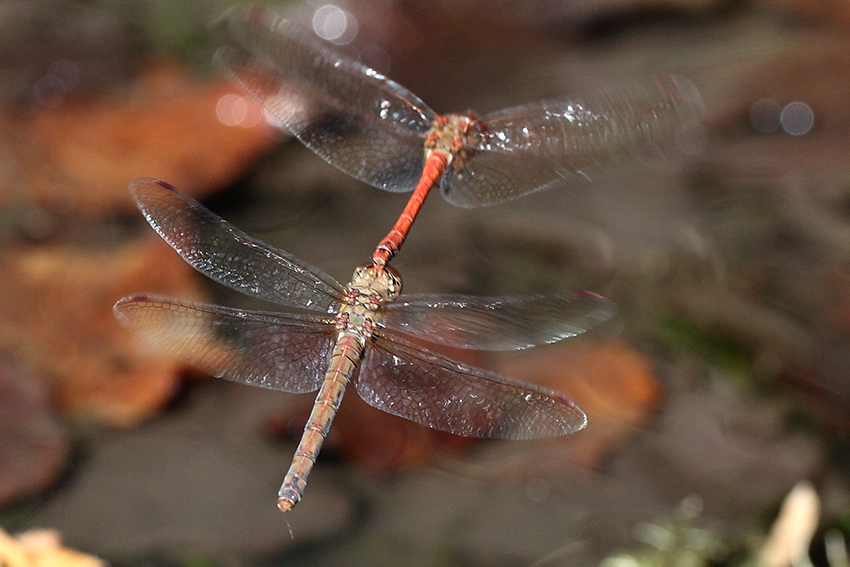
(613, 383)
(33, 451)
(56, 319)
(79, 156)
(41, 548)
(791, 534)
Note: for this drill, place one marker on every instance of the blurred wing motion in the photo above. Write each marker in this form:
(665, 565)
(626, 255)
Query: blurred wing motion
(279, 351)
(355, 118)
(528, 148)
(497, 323)
(227, 255)
(375, 130)
(431, 389)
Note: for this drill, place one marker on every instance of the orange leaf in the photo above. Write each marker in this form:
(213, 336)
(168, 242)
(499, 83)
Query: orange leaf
(197, 134)
(56, 318)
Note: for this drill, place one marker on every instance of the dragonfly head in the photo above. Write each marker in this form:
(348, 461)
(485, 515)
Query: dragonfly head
(371, 279)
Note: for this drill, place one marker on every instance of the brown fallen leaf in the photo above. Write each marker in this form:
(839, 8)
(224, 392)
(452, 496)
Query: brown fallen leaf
(197, 133)
(41, 548)
(56, 319)
(34, 450)
(612, 382)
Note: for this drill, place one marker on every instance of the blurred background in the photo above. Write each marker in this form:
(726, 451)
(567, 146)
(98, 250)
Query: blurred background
(722, 384)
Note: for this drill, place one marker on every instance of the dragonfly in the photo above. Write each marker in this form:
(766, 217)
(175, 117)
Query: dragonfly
(377, 131)
(325, 335)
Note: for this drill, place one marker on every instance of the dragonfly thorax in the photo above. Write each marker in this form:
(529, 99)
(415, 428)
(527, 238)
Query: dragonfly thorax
(456, 136)
(373, 285)
(358, 320)
(370, 287)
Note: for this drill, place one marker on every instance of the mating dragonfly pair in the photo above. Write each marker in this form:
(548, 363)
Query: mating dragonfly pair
(328, 335)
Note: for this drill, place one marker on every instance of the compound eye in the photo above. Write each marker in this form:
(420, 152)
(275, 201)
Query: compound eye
(395, 277)
(394, 274)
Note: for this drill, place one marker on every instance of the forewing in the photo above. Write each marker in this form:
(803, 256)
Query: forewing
(429, 388)
(278, 351)
(355, 118)
(224, 253)
(497, 323)
(531, 147)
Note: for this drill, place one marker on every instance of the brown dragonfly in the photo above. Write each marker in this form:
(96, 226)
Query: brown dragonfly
(327, 335)
(379, 132)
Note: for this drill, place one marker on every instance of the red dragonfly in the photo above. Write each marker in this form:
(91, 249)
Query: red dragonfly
(328, 335)
(379, 132)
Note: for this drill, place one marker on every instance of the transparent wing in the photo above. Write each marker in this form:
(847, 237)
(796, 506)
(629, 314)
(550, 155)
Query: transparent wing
(497, 323)
(428, 388)
(279, 351)
(356, 119)
(494, 177)
(530, 147)
(224, 253)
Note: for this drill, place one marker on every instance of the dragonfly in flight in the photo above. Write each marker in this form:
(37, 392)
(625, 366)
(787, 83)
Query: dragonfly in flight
(379, 132)
(327, 335)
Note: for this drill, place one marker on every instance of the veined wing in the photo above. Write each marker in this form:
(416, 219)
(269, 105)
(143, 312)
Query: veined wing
(224, 253)
(428, 388)
(497, 323)
(355, 118)
(530, 147)
(280, 351)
